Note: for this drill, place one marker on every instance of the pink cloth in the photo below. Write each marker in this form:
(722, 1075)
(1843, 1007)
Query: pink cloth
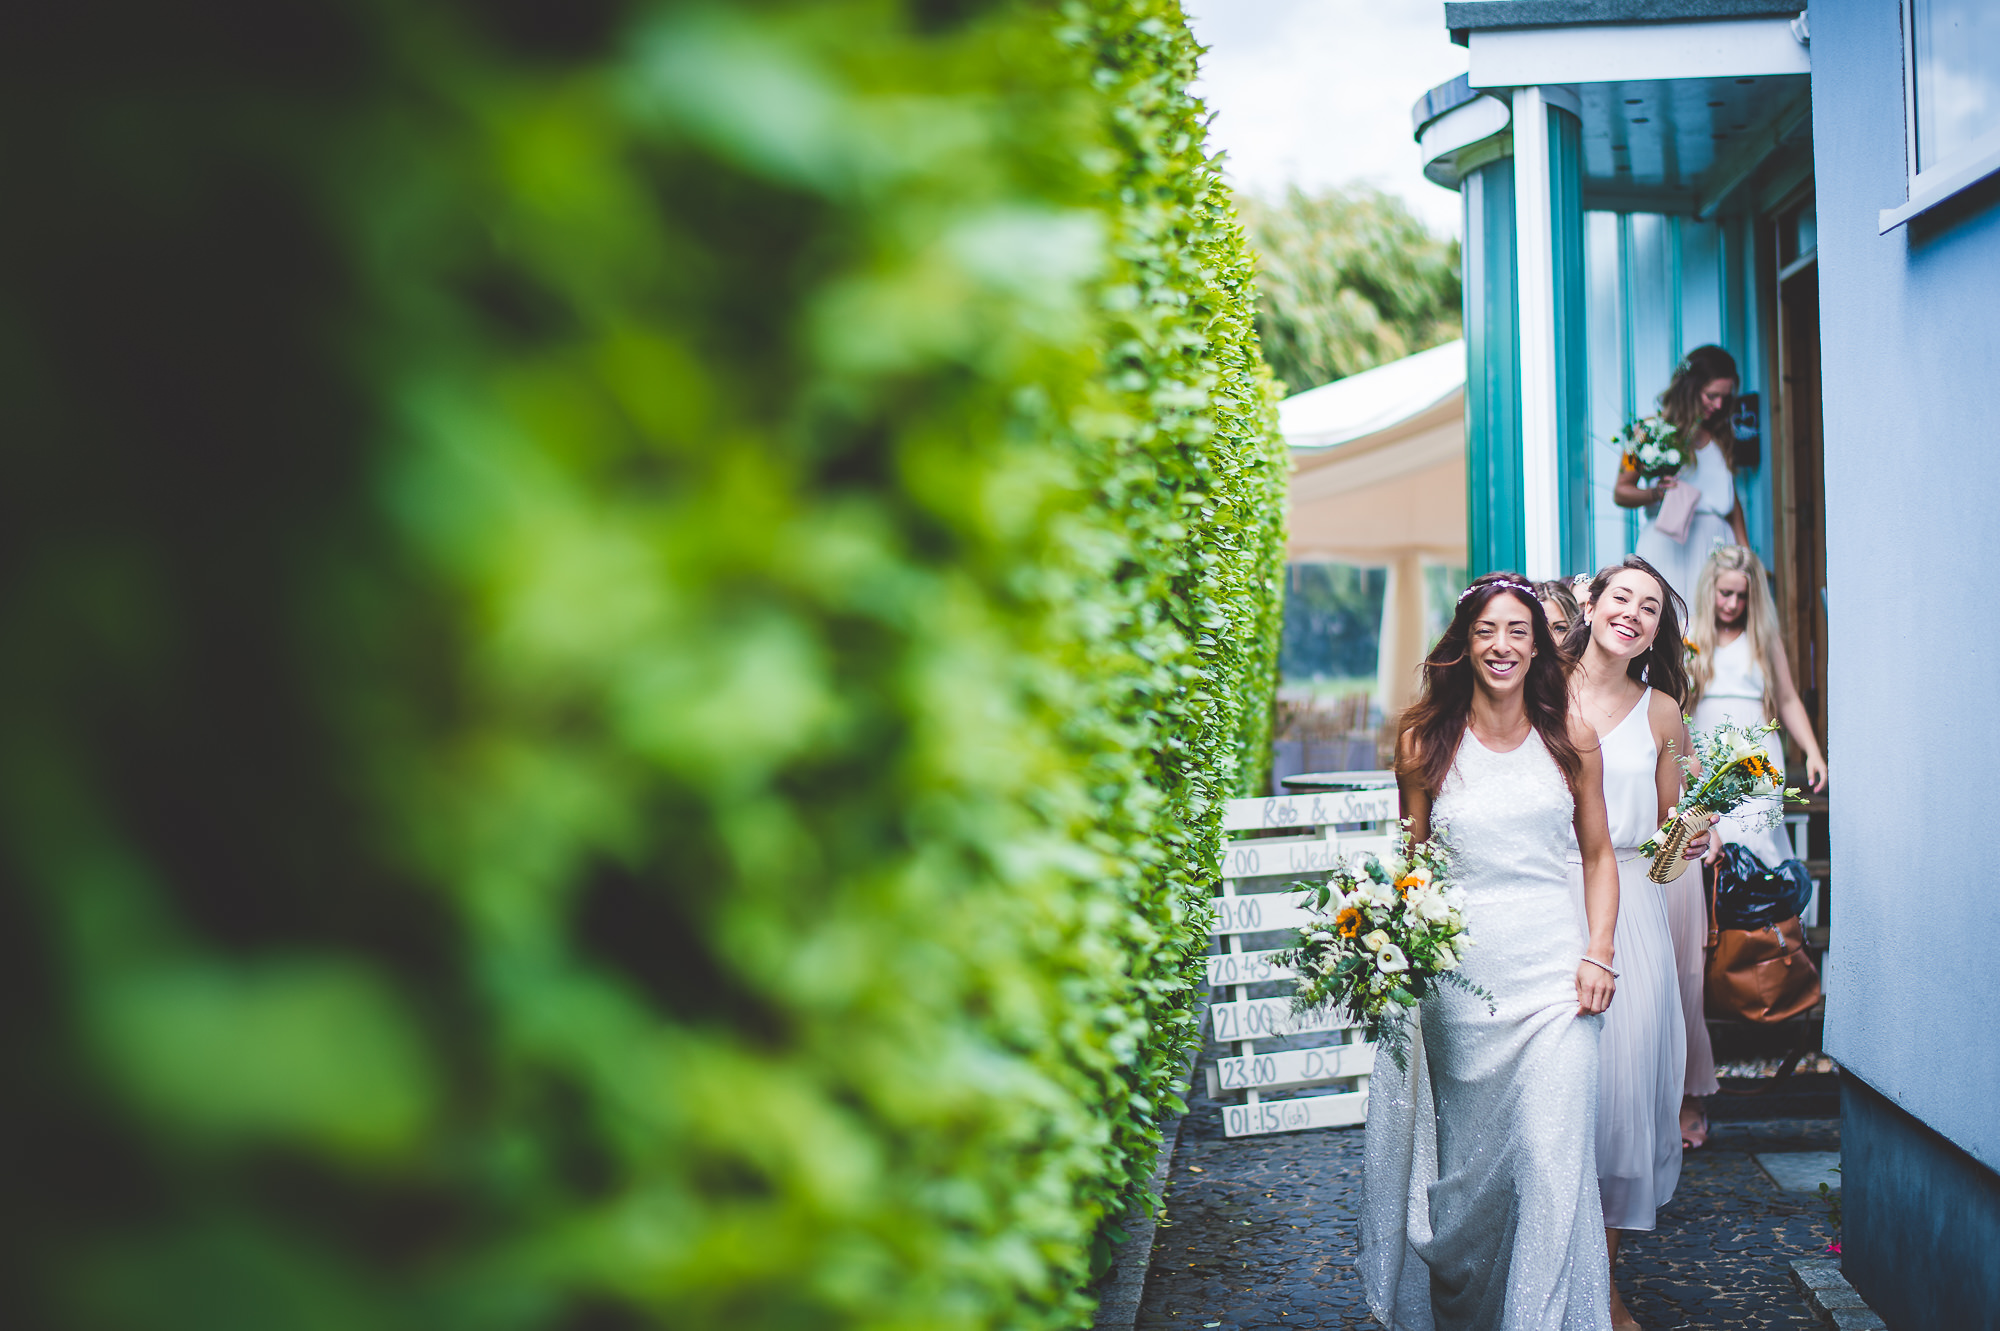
(1677, 511)
(1687, 919)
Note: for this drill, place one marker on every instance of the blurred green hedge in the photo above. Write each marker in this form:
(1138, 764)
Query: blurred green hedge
(623, 628)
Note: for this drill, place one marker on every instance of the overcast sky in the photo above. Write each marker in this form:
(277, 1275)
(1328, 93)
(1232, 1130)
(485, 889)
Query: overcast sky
(1318, 92)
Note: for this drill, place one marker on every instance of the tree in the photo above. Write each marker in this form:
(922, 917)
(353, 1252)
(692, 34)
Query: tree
(1347, 280)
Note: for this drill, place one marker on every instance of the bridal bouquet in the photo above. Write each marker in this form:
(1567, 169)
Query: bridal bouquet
(1381, 936)
(1739, 773)
(1652, 447)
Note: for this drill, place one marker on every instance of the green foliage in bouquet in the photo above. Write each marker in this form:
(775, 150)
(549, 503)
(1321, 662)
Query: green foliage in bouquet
(626, 628)
(1651, 446)
(1382, 937)
(1727, 770)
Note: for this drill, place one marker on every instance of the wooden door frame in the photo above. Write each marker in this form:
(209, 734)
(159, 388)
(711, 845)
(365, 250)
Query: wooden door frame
(1801, 611)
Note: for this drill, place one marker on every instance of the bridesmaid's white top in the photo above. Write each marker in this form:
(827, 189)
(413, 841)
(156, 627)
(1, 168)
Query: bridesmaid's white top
(1711, 475)
(1631, 788)
(1680, 561)
(1736, 694)
(1737, 672)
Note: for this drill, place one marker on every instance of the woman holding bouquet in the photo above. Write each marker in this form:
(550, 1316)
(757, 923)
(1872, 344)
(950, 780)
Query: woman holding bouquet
(1480, 1209)
(1697, 403)
(1737, 673)
(1627, 687)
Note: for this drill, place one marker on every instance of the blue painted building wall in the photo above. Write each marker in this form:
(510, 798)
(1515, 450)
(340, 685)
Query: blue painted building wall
(1911, 367)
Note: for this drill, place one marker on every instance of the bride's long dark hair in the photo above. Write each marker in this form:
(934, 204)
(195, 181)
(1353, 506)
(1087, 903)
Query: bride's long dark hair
(1436, 722)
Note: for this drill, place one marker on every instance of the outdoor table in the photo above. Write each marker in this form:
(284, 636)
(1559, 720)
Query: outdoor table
(1363, 780)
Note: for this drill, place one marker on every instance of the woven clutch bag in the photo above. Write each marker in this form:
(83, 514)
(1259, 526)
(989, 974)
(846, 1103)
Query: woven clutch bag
(1668, 863)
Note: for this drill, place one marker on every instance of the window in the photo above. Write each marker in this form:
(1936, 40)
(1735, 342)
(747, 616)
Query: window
(1951, 85)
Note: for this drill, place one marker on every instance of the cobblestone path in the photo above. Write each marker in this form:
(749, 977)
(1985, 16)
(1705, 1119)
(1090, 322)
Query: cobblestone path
(1261, 1233)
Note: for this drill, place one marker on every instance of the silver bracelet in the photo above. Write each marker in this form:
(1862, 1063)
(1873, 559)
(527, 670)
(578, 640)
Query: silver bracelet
(1601, 966)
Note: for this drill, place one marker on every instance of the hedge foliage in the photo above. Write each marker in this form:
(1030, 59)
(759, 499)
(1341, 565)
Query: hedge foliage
(624, 627)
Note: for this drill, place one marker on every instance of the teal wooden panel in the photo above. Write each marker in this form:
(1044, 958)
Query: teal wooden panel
(1743, 334)
(1605, 356)
(1494, 535)
(1572, 340)
(1701, 283)
(1657, 285)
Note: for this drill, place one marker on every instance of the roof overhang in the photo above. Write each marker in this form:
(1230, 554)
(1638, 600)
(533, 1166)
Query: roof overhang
(1352, 413)
(1623, 52)
(1682, 101)
(1465, 17)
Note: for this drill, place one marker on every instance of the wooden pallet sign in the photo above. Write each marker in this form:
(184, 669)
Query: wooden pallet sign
(1308, 811)
(1231, 968)
(1341, 1110)
(1342, 1060)
(1282, 1069)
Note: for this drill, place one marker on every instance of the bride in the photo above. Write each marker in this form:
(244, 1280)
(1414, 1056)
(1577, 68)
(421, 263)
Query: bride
(1480, 1203)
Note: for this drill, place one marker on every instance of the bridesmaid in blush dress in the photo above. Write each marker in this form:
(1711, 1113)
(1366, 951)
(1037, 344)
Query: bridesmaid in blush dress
(1627, 686)
(1480, 1204)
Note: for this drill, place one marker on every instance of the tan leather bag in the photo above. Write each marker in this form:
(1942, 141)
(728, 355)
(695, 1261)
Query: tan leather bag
(1759, 974)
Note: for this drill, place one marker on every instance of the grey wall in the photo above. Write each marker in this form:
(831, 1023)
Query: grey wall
(1919, 1223)
(1911, 362)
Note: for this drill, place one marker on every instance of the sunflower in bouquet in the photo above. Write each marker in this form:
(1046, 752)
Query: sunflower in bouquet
(1738, 773)
(1382, 935)
(1652, 447)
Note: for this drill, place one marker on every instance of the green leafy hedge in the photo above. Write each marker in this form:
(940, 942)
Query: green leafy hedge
(624, 628)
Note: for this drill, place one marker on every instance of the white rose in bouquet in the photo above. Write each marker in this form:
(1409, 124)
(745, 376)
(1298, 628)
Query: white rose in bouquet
(1741, 746)
(1383, 937)
(1429, 905)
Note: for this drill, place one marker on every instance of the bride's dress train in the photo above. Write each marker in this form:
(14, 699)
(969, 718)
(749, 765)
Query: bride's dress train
(1480, 1206)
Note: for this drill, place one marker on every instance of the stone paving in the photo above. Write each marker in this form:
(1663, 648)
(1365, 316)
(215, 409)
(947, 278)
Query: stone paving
(1260, 1232)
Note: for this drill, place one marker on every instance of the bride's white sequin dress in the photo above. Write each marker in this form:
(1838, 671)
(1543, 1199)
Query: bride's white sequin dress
(1480, 1208)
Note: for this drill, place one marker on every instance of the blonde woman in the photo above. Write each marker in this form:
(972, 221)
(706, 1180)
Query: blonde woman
(1698, 403)
(1737, 672)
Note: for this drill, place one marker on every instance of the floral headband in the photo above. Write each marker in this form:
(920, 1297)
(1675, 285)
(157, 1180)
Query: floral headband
(1504, 584)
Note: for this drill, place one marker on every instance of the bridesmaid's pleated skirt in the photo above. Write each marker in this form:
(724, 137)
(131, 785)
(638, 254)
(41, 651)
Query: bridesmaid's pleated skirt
(1687, 919)
(1642, 1056)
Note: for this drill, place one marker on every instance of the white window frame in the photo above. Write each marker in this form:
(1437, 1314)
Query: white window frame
(1942, 180)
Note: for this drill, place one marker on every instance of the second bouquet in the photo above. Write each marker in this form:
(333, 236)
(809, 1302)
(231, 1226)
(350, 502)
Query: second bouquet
(1382, 935)
(1738, 773)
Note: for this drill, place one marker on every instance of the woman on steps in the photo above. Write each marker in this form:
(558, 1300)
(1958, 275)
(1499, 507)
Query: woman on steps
(1698, 403)
(1737, 672)
(1480, 1202)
